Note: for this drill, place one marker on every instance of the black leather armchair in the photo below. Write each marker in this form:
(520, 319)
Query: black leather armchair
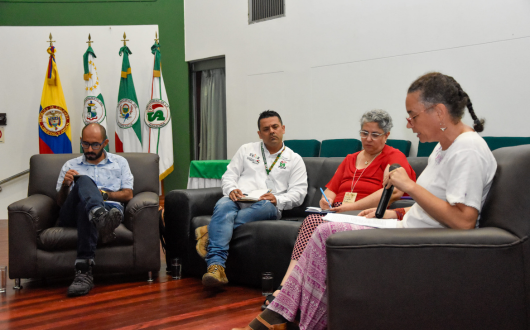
(39, 249)
(440, 278)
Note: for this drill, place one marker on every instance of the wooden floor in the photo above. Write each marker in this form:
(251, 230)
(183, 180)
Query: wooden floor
(124, 303)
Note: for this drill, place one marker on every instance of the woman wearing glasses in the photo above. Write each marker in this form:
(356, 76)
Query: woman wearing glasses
(449, 194)
(358, 182)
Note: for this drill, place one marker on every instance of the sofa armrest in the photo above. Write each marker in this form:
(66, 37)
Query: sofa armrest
(141, 217)
(181, 206)
(26, 219)
(41, 209)
(136, 205)
(426, 278)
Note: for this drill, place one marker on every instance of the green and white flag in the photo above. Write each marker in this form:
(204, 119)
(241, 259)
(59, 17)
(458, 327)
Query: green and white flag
(129, 128)
(158, 135)
(94, 110)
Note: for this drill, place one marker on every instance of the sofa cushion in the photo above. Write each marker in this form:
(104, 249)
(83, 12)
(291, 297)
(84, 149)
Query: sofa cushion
(425, 149)
(496, 142)
(65, 238)
(340, 147)
(305, 148)
(401, 145)
(418, 164)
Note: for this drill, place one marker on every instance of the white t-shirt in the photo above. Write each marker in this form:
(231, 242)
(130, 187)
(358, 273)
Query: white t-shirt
(461, 174)
(246, 171)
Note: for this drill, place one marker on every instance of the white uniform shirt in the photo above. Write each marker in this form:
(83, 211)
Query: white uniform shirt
(246, 172)
(461, 174)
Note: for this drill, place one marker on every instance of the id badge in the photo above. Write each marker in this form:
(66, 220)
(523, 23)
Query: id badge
(349, 197)
(269, 184)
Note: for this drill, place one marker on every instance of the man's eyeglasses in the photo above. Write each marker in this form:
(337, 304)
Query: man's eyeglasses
(410, 119)
(95, 145)
(365, 134)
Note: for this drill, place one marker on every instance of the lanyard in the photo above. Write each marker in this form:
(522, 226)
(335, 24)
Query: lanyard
(268, 170)
(353, 179)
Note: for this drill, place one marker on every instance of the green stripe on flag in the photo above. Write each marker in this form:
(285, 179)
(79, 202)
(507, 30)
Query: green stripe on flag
(85, 58)
(158, 140)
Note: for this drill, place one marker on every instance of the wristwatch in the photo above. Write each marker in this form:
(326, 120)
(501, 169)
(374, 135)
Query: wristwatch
(104, 194)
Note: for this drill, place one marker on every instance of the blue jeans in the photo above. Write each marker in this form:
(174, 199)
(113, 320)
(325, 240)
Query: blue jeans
(227, 216)
(83, 197)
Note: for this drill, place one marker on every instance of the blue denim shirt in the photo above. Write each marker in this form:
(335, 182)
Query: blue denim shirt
(111, 174)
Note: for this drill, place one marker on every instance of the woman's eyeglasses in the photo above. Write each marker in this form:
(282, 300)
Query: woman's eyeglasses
(95, 145)
(410, 119)
(365, 134)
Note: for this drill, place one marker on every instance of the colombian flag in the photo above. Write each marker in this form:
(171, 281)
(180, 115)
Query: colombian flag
(54, 122)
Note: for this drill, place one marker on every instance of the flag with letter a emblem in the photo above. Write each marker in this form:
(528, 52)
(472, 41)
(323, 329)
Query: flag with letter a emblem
(54, 121)
(158, 135)
(129, 128)
(94, 110)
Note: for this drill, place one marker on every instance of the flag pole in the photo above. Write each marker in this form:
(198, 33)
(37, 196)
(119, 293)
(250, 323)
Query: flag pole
(89, 42)
(162, 196)
(51, 41)
(125, 39)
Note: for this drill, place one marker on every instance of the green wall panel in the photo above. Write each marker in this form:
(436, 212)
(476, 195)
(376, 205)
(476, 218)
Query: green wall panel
(168, 14)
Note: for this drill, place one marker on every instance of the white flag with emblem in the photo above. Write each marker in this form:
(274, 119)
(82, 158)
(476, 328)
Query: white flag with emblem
(158, 134)
(94, 110)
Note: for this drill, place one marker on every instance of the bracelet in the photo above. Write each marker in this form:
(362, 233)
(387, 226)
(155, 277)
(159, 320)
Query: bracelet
(400, 213)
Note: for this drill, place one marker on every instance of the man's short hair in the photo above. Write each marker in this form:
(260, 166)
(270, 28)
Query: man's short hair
(268, 114)
(101, 129)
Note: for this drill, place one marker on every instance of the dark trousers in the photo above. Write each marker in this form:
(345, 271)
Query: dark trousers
(83, 197)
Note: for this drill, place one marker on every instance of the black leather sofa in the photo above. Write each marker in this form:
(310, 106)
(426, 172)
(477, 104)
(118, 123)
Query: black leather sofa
(38, 249)
(256, 247)
(440, 278)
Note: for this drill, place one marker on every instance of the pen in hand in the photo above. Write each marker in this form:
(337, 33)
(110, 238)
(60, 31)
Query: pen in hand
(327, 200)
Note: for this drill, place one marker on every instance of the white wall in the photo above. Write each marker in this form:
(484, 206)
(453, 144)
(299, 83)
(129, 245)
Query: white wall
(23, 63)
(328, 61)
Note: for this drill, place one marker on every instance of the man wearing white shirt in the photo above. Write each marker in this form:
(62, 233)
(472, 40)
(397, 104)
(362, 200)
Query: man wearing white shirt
(268, 165)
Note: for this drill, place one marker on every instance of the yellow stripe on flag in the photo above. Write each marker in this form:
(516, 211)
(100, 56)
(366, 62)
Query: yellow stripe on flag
(52, 94)
(124, 74)
(166, 173)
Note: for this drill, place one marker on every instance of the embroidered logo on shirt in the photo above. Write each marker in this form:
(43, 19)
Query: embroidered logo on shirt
(253, 158)
(439, 156)
(282, 165)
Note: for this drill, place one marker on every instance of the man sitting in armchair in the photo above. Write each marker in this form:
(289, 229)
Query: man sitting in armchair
(90, 190)
(268, 167)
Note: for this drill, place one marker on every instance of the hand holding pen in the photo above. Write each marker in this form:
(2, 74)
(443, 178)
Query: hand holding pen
(268, 196)
(324, 200)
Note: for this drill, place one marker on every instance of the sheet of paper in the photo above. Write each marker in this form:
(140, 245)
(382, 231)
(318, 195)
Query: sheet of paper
(376, 223)
(254, 195)
(312, 209)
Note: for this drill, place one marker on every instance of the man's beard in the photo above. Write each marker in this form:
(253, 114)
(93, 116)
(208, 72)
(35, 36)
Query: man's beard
(93, 155)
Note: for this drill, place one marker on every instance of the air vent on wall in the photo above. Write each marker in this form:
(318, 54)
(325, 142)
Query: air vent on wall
(261, 10)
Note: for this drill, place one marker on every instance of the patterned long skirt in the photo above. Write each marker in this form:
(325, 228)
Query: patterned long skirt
(305, 289)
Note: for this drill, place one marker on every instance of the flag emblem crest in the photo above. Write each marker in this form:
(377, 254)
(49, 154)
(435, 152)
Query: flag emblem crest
(93, 110)
(157, 113)
(54, 120)
(128, 113)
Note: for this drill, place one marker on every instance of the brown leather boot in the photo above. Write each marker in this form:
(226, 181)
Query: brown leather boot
(201, 235)
(215, 276)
